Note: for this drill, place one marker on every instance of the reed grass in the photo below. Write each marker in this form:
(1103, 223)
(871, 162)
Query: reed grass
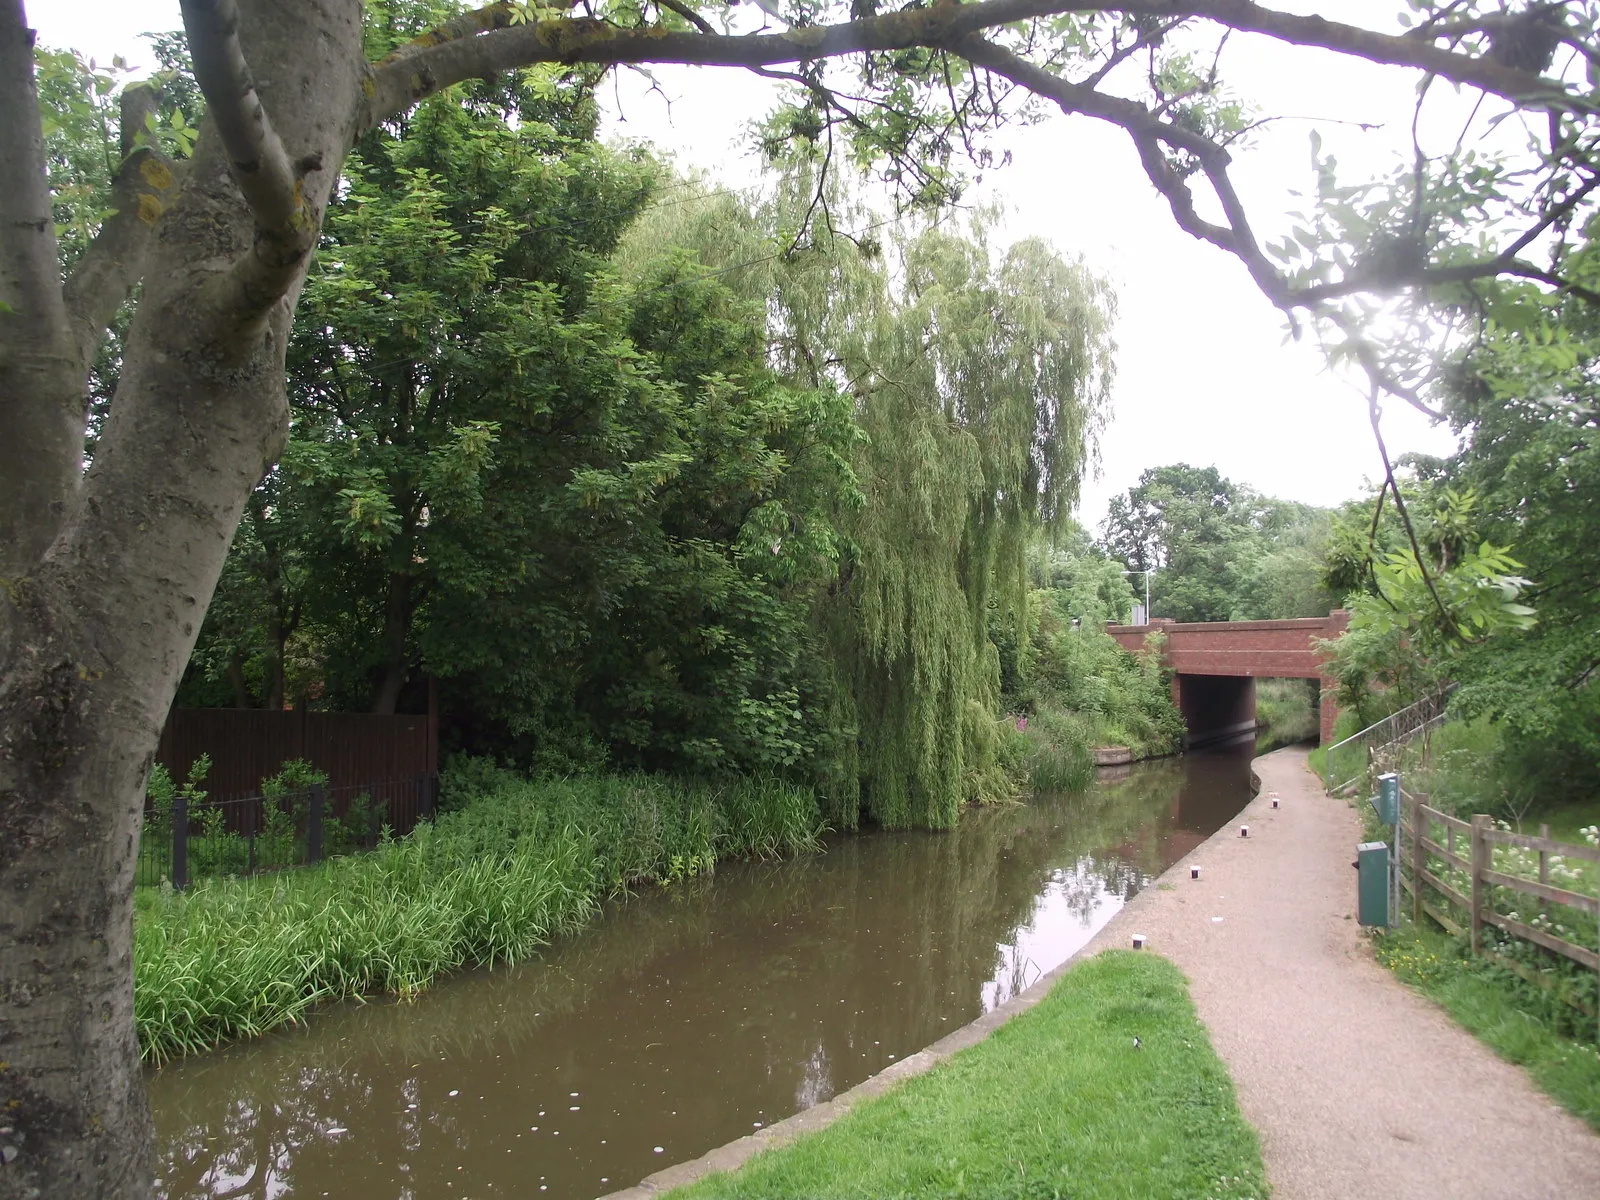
(516, 866)
(1060, 756)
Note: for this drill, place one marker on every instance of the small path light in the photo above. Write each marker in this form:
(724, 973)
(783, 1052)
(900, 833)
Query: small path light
(1138, 941)
(1194, 872)
(1244, 831)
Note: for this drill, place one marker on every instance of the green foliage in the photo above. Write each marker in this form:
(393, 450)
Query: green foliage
(1524, 398)
(636, 489)
(1286, 709)
(1412, 620)
(1124, 699)
(1057, 1102)
(1216, 550)
(578, 498)
(1061, 755)
(491, 882)
(966, 444)
(971, 447)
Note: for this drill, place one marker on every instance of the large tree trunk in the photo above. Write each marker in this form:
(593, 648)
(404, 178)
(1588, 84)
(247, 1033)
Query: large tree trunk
(101, 627)
(399, 608)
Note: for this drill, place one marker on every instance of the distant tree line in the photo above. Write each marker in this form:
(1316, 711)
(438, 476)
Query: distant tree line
(1218, 550)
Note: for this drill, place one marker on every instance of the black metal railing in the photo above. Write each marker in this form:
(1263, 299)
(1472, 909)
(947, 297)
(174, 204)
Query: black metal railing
(183, 841)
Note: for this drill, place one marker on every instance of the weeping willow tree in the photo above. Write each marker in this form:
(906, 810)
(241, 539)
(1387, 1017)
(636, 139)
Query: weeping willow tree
(980, 381)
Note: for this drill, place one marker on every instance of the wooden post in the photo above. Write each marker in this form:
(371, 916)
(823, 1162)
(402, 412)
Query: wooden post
(1480, 863)
(1419, 860)
(1544, 867)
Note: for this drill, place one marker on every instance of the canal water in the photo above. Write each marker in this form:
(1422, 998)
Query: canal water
(684, 1017)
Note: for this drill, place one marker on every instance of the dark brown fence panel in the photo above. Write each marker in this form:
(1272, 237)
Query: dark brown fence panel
(248, 745)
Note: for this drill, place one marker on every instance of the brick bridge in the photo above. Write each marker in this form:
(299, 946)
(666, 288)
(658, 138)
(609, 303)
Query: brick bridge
(1216, 665)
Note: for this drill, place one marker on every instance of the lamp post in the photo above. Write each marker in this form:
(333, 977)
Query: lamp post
(1146, 573)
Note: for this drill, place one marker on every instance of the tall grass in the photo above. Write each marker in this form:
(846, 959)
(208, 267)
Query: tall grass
(517, 864)
(1060, 750)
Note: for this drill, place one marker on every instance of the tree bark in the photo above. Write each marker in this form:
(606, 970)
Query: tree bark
(102, 622)
(104, 577)
(396, 668)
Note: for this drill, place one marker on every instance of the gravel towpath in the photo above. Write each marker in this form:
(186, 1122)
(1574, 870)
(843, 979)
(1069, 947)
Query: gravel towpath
(1358, 1086)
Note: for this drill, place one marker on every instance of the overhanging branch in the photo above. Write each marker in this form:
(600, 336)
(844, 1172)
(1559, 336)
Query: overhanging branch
(1149, 134)
(480, 45)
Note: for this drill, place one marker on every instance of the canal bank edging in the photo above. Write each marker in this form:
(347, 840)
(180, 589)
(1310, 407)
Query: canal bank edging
(735, 1154)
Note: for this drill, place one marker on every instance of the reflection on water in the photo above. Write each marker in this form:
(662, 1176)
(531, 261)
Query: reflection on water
(685, 1017)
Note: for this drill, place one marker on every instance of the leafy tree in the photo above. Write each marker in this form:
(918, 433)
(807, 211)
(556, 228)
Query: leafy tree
(1419, 606)
(974, 378)
(1216, 550)
(108, 571)
(1523, 398)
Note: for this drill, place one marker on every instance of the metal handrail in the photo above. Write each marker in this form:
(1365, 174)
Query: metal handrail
(1436, 701)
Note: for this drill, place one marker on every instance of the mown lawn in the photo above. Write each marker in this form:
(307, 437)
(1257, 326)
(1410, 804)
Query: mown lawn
(1057, 1103)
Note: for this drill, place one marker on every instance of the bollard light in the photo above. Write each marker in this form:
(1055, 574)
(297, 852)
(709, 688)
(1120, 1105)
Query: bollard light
(1194, 872)
(1138, 941)
(1244, 831)
(1274, 802)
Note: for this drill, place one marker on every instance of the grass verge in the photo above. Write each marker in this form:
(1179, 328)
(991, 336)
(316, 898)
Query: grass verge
(1513, 1018)
(521, 862)
(1056, 1103)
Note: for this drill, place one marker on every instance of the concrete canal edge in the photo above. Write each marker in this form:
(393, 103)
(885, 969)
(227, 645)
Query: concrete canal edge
(735, 1154)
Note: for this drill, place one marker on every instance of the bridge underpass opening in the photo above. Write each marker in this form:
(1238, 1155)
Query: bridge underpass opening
(1215, 708)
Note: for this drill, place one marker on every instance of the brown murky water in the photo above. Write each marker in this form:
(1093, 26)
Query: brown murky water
(683, 1018)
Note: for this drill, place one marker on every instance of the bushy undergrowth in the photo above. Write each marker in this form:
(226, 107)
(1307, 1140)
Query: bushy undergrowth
(515, 864)
(1284, 708)
(1120, 699)
(1060, 755)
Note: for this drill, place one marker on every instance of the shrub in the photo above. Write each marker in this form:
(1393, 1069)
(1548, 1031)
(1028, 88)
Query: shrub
(1061, 757)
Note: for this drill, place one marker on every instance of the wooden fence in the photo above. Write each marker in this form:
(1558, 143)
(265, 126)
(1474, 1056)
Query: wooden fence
(1455, 860)
(248, 745)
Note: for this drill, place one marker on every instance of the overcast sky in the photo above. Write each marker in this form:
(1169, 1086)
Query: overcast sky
(1205, 375)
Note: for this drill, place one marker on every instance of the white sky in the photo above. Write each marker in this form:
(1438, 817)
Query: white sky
(1205, 375)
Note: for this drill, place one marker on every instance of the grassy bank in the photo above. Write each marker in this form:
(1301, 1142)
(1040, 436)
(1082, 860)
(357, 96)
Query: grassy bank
(1516, 1019)
(1058, 1102)
(1286, 711)
(515, 865)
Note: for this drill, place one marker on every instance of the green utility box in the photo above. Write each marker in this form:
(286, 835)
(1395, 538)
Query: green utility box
(1372, 884)
(1387, 801)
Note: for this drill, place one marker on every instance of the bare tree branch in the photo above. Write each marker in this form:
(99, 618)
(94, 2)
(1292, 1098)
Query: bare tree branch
(1149, 135)
(1506, 263)
(689, 15)
(106, 272)
(260, 164)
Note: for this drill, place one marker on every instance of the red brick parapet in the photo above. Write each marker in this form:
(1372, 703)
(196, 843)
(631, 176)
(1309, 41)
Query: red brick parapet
(1249, 649)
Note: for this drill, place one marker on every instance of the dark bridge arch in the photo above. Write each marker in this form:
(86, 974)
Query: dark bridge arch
(1216, 665)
